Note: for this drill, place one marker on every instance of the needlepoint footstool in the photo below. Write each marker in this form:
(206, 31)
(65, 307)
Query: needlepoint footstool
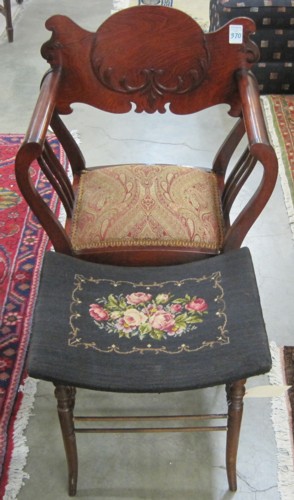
(170, 328)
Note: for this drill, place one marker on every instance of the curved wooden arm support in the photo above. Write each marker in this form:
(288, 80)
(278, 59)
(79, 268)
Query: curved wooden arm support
(28, 153)
(45, 114)
(266, 156)
(259, 149)
(73, 152)
(44, 108)
(224, 154)
(36, 148)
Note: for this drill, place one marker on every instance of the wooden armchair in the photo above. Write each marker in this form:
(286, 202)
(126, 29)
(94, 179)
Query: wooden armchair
(150, 59)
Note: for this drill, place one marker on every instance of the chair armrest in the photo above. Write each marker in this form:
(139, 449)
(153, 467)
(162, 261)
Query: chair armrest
(45, 114)
(36, 148)
(251, 109)
(44, 108)
(251, 122)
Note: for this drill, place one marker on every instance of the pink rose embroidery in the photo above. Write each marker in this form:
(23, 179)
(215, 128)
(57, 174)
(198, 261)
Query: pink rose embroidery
(131, 320)
(138, 298)
(144, 315)
(98, 313)
(162, 321)
(198, 305)
(176, 308)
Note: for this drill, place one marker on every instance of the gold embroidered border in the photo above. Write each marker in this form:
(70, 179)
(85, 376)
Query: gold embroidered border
(76, 341)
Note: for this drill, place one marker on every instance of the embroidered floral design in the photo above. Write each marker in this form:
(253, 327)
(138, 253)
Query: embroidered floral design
(142, 314)
(150, 317)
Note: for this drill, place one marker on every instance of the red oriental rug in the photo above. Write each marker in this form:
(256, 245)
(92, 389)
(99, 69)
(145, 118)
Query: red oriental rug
(22, 246)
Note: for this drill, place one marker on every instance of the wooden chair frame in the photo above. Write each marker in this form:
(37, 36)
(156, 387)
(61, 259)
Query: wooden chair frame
(149, 58)
(87, 68)
(71, 424)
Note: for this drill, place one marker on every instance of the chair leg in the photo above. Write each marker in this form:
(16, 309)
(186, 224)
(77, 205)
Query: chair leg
(9, 27)
(65, 396)
(235, 394)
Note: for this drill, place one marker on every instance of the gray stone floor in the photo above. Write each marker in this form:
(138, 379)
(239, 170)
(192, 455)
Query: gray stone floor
(153, 467)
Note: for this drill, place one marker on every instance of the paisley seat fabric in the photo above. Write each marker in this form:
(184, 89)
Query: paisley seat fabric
(147, 205)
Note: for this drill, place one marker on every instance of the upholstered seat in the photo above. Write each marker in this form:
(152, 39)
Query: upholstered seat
(147, 205)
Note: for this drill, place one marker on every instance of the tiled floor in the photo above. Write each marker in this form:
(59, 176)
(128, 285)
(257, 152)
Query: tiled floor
(152, 467)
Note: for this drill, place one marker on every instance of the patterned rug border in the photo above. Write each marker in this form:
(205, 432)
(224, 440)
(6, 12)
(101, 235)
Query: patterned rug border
(277, 140)
(17, 400)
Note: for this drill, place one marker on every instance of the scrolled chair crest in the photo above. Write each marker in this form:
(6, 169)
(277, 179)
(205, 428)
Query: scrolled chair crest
(155, 72)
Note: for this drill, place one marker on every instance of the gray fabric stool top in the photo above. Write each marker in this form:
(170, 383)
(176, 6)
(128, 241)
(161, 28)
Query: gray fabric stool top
(148, 329)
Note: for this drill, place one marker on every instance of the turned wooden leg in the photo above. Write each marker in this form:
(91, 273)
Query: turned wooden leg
(65, 396)
(235, 394)
(9, 27)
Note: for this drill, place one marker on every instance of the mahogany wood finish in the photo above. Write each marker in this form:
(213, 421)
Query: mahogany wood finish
(69, 423)
(235, 395)
(65, 396)
(150, 58)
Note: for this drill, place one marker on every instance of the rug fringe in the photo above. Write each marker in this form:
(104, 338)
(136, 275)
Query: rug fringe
(282, 428)
(16, 475)
(269, 113)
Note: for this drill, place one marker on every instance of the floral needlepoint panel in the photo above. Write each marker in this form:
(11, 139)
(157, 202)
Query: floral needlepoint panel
(157, 329)
(168, 317)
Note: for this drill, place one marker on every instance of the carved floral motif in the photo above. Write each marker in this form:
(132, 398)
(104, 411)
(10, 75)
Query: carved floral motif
(153, 82)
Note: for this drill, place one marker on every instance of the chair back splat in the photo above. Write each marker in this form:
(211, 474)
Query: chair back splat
(157, 57)
(148, 59)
